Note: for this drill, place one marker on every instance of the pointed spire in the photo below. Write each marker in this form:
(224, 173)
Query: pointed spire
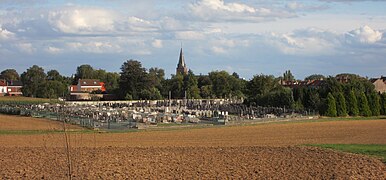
(181, 61)
(181, 66)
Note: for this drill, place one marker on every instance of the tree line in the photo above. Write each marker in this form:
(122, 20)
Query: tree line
(331, 97)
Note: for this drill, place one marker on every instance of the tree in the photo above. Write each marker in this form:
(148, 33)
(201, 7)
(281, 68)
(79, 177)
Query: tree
(52, 89)
(177, 86)
(314, 77)
(312, 100)
(133, 80)
(221, 86)
(374, 104)
(10, 75)
(331, 106)
(341, 107)
(261, 85)
(33, 80)
(156, 77)
(363, 105)
(383, 103)
(352, 104)
(111, 81)
(191, 86)
(287, 76)
(54, 75)
(84, 71)
(205, 85)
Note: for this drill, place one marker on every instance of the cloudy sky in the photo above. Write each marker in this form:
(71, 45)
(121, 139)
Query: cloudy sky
(244, 36)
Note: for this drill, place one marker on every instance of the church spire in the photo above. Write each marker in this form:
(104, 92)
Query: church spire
(181, 66)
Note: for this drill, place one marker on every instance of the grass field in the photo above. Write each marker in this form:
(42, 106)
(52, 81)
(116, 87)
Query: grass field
(26, 100)
(378, 150)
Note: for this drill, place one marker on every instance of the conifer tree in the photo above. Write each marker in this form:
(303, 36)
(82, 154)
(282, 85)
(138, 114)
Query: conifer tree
(363, 104)
(352, 104)
(331, 106)
(341, 107)
(383, 103)
(374, 104)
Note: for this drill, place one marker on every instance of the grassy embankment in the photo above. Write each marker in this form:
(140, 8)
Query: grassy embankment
(376, 150)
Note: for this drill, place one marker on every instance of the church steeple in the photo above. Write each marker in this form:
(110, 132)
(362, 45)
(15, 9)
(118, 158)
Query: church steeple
(181, 67)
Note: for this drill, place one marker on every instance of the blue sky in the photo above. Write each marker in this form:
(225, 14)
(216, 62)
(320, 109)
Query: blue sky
(244, 36)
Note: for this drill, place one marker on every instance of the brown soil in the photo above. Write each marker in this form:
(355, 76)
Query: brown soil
(332, 132)
(27, 123)
(266, 151)
(188, 163)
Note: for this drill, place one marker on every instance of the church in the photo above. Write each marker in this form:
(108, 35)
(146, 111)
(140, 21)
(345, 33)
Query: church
(181, 66)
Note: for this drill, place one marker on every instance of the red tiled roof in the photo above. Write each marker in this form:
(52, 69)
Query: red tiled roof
(89, 82)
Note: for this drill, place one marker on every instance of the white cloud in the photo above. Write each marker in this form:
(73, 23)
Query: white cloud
(363, 35)
(298, 6)
(82, 20)
(95, 47)
(221, 5)
(309, 42)
(5, 34)
(25, 48)
(218, 10)
(157, 43)
(189, 35)
(218, 50)
(53, 50)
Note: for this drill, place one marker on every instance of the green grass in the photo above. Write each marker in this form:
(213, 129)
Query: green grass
(25, 100)
(377, 150)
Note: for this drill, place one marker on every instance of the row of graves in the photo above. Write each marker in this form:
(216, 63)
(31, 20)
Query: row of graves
(123, 115)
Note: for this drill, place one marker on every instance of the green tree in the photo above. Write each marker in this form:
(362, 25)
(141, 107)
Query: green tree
(191, 86)
(312, 99)
(221, 86)
(205, 86)
(33, 81)
(10, 75)
(84, 71)
(374, 103)
(53, 89)
(341, 105)
(261, 85)
(111, 81)
(331, 106)
(177, 86)
(157, 79)
(54, 75)
(314, 77)
(352, 104)
(133, 80)
(363, 105)
(383, 103)
(287, 76)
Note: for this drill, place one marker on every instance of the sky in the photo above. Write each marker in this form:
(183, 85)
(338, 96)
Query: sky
(249, 37)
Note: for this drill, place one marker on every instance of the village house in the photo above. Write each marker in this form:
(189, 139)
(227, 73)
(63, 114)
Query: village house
(379, 83)
(14, 88)
(88, 85)
(82, 90)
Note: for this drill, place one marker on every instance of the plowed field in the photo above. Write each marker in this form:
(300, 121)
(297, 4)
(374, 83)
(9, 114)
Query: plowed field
(266, 151)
